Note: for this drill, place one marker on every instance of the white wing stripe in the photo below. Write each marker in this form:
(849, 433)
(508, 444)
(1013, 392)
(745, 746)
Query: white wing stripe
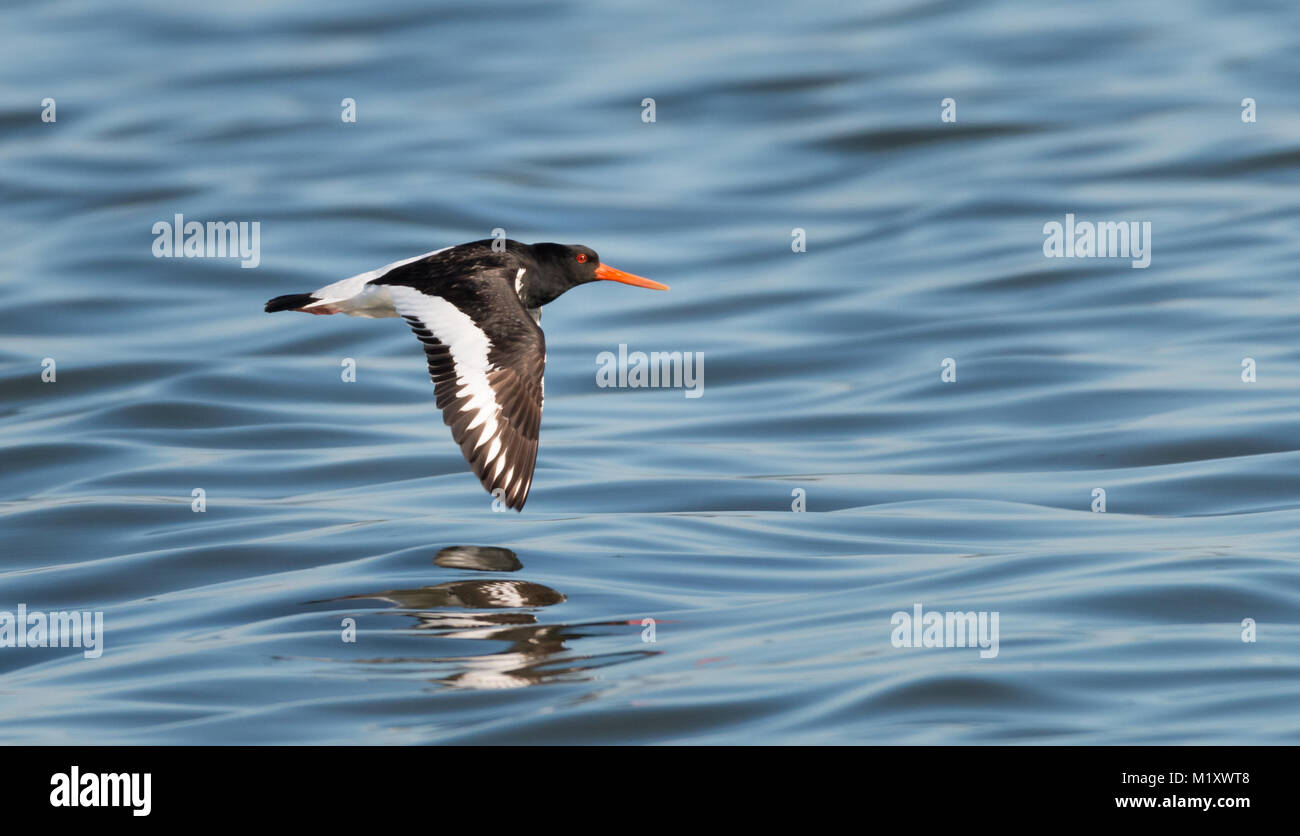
(468, 346)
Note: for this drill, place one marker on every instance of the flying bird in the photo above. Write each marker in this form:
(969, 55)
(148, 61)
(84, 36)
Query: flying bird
(477, 308)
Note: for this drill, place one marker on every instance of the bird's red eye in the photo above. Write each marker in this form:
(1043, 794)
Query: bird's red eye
(582, 258)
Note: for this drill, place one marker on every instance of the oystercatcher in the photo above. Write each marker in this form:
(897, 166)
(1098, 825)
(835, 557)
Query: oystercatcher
(477, 310)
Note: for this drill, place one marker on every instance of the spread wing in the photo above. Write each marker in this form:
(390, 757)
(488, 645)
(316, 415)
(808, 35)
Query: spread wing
(486, 357)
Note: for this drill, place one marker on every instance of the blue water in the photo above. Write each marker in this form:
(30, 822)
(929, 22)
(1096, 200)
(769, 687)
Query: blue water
(329, 500)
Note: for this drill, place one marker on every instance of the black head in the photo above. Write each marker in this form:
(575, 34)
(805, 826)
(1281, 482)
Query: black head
(562, 267)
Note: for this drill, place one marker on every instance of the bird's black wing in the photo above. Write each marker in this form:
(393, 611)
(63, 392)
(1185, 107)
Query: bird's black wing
(487, 358)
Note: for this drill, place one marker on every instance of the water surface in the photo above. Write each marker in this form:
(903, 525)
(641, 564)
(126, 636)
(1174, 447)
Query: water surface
(329, 500)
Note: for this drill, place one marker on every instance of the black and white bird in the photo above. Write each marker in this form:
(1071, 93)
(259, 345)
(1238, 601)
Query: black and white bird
(477, 310)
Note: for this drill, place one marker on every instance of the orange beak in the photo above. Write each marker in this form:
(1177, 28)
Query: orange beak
(609, 274)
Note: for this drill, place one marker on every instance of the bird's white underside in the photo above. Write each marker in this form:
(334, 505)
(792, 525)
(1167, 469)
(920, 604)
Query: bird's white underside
(355, 296)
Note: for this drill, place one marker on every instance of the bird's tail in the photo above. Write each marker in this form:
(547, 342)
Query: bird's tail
(292, 302)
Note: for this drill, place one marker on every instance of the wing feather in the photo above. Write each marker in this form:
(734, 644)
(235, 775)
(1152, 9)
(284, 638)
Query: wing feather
(487, 358)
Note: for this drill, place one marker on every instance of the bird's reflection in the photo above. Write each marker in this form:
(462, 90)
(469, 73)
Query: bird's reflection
(480, 558)
(499, 610)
